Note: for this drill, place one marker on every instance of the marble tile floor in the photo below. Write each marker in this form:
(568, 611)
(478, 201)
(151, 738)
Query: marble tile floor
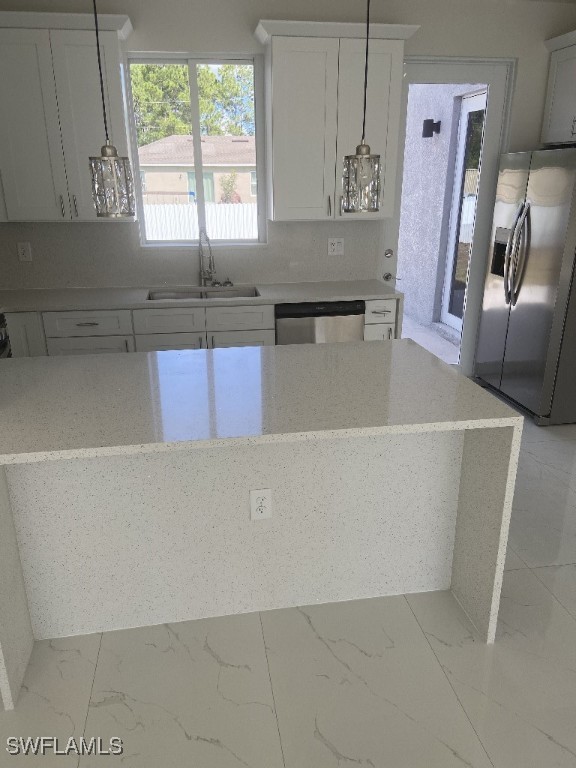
(396, 682)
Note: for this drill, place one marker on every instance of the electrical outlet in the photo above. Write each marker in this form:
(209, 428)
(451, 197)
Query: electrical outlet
(261, 504)
(336, 246)
(24, 252)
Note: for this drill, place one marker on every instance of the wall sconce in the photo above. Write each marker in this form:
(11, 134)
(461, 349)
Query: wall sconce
(429, 128)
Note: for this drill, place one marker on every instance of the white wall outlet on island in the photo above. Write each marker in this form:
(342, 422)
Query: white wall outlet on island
(261, 504)
(24, 251)
(335, 246)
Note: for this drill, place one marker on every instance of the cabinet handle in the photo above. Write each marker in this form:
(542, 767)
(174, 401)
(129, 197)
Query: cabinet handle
(200, 340)
(62, 207)
(389, 333)
(213, 342)
(574, 127)
(86, 325)
(329, 205)
(341, 205)
(75, 205)
(126, 345)
(381, 311)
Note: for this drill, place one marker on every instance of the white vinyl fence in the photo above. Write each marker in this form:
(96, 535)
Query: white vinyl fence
(224, 221)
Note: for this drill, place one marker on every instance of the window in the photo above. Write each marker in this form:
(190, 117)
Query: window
(195, 137)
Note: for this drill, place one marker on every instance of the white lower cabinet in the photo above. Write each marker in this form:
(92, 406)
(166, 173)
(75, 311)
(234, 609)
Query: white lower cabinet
(379, 332)
(90, 345)
(241, 339)
(159, 342)
(26, 334)
(85, 323)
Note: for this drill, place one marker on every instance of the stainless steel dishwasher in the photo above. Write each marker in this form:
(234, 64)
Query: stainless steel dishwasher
(320, 322)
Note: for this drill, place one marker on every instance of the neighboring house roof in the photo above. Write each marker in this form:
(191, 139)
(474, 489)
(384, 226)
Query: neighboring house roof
(216, 150)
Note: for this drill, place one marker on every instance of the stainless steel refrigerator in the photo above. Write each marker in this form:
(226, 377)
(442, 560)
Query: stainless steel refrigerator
(527, 339)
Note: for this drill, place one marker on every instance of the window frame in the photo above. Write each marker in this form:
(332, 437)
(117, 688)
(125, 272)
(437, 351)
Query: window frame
(191, 60)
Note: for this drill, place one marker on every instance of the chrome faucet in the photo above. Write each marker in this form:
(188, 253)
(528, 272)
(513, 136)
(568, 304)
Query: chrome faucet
(207, 266)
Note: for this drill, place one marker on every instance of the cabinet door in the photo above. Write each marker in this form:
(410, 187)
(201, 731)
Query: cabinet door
(158, 342)
(80, 107)
(241, 339)
(26, 334)
(304, 95)
(32, 172)
(176, 320)
(560, 114)
(90, 345)
(383, 106)
(247, 318)
(380, 332)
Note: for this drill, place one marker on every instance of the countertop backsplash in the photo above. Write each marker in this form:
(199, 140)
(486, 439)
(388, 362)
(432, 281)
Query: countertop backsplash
(106, 254)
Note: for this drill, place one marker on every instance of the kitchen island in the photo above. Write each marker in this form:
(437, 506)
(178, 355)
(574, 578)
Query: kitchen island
(125, 480)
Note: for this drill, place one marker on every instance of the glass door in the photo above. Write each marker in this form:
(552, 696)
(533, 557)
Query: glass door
(463, 213)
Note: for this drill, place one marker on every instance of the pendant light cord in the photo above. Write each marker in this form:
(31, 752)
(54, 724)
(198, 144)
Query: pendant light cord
(365, 67)
(102, 78)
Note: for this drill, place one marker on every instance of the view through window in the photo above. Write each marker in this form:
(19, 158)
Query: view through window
(196, 138)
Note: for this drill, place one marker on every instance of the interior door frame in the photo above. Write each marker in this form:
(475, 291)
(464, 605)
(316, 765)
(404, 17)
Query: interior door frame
(499, 75)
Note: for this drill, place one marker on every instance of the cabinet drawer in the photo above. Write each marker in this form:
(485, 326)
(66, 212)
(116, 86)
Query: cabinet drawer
(239, 318)
(381, 311)
(157, 342)
(97, 323)
(94, 345)
(176, 320)
(241, 339)
(380, 332)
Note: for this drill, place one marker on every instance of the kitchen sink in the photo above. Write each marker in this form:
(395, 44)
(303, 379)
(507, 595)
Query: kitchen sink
(220, 292)
(242, 291)
(184, 294)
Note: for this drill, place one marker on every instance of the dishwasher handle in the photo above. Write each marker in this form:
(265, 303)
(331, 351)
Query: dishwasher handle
(320, 309)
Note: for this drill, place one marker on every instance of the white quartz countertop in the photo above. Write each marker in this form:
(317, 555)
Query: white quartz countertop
(69, 407)
(62, 299)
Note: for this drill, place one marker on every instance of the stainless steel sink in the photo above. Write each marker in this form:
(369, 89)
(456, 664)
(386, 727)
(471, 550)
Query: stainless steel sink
(163, 295)
(224, 292)
(235, 292)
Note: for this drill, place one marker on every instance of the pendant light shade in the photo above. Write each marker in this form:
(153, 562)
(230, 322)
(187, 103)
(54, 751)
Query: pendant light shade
(112, 182)
(361, 174)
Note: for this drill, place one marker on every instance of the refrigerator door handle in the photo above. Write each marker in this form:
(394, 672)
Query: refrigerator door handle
(510, 247)
(518, 260)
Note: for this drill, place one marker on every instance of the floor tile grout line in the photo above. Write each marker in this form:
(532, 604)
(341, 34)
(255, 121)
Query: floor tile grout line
(272, 689)
(449, 683)
(91, 691)
(557, 599)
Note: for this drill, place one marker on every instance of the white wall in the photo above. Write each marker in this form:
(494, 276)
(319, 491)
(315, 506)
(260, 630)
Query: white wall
(106, 254)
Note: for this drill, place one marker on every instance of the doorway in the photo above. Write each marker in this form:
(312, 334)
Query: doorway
(429, 265)
(441, 174)
(466, 178)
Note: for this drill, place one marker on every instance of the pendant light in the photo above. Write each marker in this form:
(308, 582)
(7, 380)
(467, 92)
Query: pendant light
(112, 182)
(361, 176)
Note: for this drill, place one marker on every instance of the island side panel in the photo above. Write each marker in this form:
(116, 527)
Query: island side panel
(136, 540)
(489, 464)
(16, 639)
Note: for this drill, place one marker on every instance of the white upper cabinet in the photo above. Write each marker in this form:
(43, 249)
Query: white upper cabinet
(315, 93)
(560, 113)
(32, 174)
(384, 96)
(80, 107)
(52, 113)
(304, 124)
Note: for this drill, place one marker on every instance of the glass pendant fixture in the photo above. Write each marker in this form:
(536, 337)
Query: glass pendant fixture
(361, 176)
(112, 182)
